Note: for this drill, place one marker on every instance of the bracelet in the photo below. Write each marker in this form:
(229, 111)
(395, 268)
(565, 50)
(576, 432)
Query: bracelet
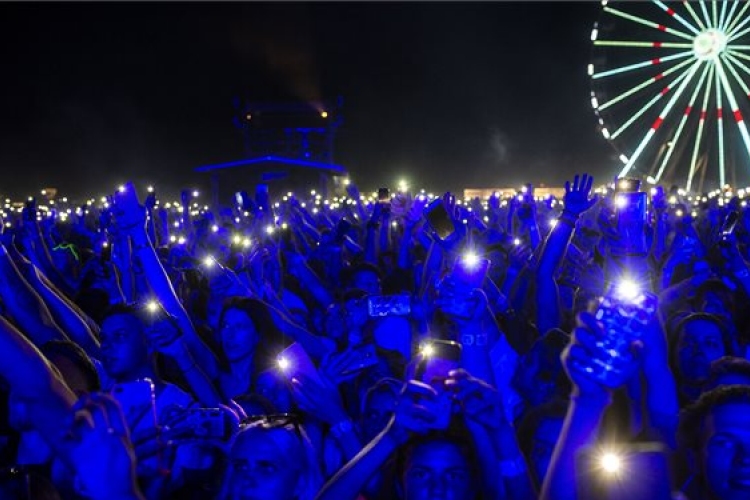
(513, 467)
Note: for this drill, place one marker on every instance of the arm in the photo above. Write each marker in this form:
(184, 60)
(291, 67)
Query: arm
(73, 321)
(577, 201)
(26, 307)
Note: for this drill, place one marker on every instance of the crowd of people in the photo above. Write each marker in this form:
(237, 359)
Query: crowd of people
(587, 347)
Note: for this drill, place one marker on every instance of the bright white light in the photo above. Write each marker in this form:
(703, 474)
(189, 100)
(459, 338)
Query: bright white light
(621, 202)
(594, 34)
(427, 350)
(152, 306)
(237, 239)
(623, 158)
(269, 229)
(611, 463)
(628, 289)
(284, 363)
(181, 240)
(594, 102)
(517, 241)
(151, 189)
(471, 259)
(605, 133)
(591, 69)
(173, 238)
(247, 242)
(121, 189)
(553, 223)
(214, 228)
(403, 185)
(679, 213)
(209, 261)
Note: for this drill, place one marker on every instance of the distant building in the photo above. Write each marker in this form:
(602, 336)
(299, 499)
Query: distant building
(508, 192)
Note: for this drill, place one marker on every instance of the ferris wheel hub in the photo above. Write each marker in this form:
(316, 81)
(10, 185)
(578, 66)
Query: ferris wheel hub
(709, 44)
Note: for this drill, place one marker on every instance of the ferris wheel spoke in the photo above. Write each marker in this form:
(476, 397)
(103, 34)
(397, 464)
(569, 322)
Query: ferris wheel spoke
(723, 13)
(692, 13)
(643, 85)
(655, 45)
(645, 22)
(660, 119)
(731, 61)
(644, 108)
(642, 64)
(675, 15)
(720, 128)
(683, 120)
(699, 133)
(725, 25)
(706, 17)
(732, 25)
(736, 54)
(737, 114)
(714, 14)
(739, 34)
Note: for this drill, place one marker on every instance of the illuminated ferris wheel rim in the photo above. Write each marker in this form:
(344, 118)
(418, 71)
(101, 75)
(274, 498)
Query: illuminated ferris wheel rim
(708, 59)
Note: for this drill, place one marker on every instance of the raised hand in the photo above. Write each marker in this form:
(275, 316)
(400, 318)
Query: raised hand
(129, 213)
(480, 402)
(577, 197)
(415, 411)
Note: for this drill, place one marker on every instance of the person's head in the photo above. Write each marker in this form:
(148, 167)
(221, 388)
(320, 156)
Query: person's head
(539, 375)
(242, 324)
(715, 297)
(378, 404)
(715, 431)
(355, 308)
(728, 370)
(438, 466)
(697, 340)
(538, 433)
(365, 277)
(125, 351)
(272, 458)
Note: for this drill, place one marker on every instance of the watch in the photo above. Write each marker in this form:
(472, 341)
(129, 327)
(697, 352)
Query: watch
(479, 340)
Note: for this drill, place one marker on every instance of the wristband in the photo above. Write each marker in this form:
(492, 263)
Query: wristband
(513, 467)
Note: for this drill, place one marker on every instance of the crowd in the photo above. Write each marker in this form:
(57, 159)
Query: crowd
(588, 347)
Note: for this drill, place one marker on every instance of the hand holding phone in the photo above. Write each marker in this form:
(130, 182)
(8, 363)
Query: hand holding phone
(439, 219)
(437, 359)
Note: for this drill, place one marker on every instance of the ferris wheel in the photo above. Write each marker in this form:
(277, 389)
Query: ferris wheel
(670, 84)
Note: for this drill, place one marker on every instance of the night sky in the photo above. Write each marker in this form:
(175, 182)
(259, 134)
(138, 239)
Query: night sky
(446, 95)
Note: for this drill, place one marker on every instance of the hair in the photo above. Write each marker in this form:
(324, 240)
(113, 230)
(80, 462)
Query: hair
(292, 440)
(270, 338)
(678, 326)
(727, 365)
(73, 353)
(693, 417)
(717, 287)
(361, 268)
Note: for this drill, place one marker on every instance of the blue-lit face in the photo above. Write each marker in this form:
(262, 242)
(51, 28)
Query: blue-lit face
(699, 343)
(725, 454)
(124, 348)
(437, 470)
(259, 469)
(356, 313)
(238, 335)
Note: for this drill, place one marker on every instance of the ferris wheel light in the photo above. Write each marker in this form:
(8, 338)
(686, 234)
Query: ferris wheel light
(594, 102)
(590, 69)
(594, 34)
(605, 133)
(623, 158)
(650, 180)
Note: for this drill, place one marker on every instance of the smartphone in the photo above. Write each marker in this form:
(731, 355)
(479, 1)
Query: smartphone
(138, 402)
(294, 361)
(631, 210)
(629, 471)
(437, 359)
(625, 311)
(365, 356)
(389, 305)
(238, 199)
(471, 270)
(730, 222)
(439, 219)
(627, 185)
(384, 195)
